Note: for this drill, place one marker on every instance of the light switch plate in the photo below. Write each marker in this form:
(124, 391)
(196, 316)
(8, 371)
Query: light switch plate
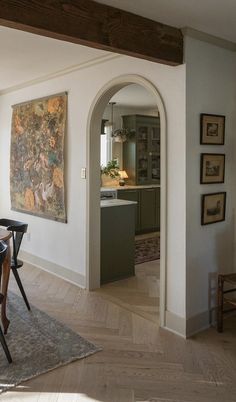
(83, 173)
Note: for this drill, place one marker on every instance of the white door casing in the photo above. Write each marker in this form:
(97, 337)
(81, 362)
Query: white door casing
(93, 182)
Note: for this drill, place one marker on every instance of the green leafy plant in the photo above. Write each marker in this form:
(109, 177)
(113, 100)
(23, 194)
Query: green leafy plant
(112, 169)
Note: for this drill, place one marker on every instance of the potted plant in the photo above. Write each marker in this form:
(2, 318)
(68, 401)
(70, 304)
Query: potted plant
(112, 169)
(122, 134)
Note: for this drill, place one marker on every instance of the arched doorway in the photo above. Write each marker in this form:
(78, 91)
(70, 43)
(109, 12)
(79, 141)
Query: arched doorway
(93, 181)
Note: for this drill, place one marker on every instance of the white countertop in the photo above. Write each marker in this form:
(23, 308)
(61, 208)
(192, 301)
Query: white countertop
(108, 188)
(116, 203)
(127, 187)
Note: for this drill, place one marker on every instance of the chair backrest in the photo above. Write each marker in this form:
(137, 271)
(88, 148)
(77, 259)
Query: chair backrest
(18, 230)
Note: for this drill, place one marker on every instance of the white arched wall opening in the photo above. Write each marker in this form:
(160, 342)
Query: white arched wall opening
(93, 182)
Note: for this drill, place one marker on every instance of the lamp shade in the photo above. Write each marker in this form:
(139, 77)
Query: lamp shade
(123, 174)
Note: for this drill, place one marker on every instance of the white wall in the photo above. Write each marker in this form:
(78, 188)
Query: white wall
(195, 253)
(211, 88)
(64, 244)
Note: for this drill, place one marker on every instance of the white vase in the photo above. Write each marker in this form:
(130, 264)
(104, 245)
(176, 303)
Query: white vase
(119, 139)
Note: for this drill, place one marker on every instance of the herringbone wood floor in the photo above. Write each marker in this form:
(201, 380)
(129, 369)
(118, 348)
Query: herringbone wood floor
(139, 362)
(138, 294)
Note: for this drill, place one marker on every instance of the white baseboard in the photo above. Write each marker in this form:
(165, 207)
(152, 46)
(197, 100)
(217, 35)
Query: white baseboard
(57, 270)
(198, 323)
(175, 324)
(187, 328)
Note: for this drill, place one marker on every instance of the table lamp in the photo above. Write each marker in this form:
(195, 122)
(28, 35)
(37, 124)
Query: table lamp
(123, 175)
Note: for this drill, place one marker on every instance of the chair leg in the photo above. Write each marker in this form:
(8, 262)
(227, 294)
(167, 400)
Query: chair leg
(19, 283)
(5, 347)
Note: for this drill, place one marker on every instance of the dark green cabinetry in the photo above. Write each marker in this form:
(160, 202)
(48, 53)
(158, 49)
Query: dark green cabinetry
(147, 212)
(141, 152)
(117, 242)
(132, 195)
(148, 209)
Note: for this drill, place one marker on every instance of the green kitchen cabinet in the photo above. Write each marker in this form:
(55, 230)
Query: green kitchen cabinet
(141, 152)
(158, 209)
(147, 209)
(132, 195)
(117, 242)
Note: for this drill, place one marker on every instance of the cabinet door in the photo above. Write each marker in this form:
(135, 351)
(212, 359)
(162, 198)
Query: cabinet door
(142, 151)
(154, 154)
(158, 208)
(148, 209)
(131, 195)
(117, 243)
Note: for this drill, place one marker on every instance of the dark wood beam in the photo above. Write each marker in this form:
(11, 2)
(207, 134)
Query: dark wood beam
(86, 22)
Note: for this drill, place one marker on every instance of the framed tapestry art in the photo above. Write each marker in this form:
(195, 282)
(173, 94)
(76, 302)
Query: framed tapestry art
(213, 208)
(212, 168)
(212, 129)
(37, 157)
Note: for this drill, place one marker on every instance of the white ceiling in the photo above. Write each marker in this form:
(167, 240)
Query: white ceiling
(215, 17)
(136, 96)
(26, 57)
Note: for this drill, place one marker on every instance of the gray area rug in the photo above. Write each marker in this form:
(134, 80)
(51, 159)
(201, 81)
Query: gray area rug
(37, 343)
(147, 249)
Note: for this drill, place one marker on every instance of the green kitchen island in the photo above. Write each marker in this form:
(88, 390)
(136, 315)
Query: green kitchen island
(117, 239)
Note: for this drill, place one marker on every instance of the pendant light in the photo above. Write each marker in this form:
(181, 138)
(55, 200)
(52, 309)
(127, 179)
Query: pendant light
(109, 125)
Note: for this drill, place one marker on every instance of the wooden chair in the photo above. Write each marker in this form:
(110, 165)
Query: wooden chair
(3, 252)
(223, 301)
(18, 230)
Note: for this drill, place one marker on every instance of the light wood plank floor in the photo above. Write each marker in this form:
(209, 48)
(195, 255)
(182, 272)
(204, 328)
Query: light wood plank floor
(139, 362)
(138, 294)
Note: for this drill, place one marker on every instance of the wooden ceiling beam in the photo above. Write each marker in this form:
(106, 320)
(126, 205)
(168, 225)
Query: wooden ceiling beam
(89, 23)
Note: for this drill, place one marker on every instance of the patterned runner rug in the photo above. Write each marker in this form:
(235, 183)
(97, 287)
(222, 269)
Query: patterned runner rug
(37, 343)
(147, 249)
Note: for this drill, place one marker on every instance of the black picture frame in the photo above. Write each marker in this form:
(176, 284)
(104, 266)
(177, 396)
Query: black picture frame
(210, 165)
(211, 209)
(212, 129)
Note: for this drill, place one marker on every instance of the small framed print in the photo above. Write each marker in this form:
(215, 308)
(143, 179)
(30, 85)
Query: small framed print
(212, 129)
(212, 168)
(213, 208)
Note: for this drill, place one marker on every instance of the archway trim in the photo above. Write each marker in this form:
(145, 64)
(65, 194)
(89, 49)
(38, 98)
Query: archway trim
(93, 182)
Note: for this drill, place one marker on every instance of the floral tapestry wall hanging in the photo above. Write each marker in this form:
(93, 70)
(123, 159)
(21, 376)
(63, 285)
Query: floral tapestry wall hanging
(37, 157)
